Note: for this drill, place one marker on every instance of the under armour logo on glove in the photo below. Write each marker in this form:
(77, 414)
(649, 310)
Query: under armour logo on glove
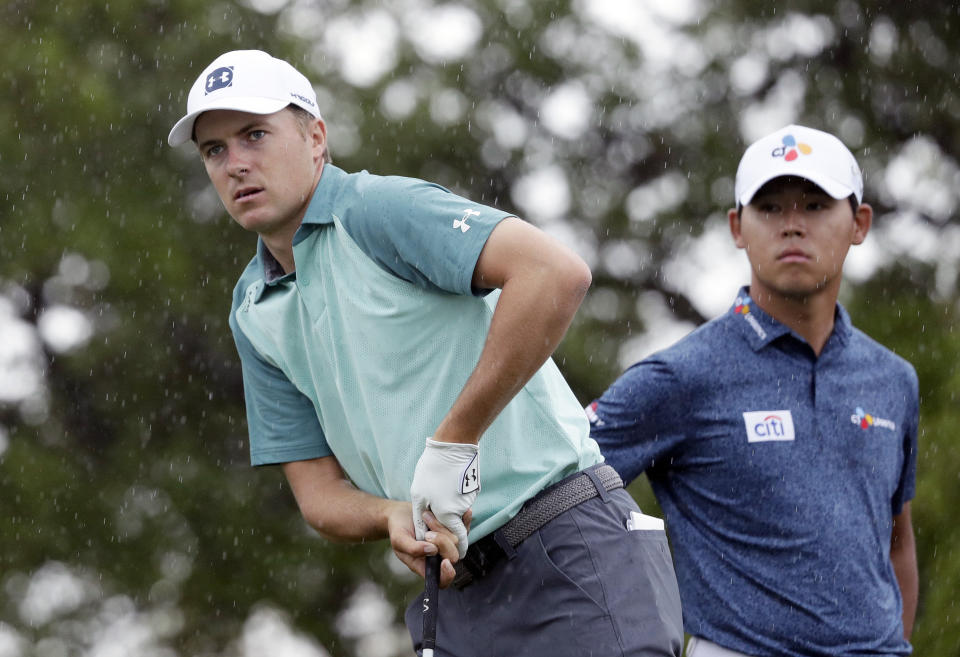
(446, 481)
(471, 477)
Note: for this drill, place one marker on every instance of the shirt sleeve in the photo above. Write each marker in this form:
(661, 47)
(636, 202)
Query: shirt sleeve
(421, 232)
(282, 422)
(907, 486)
(631, 420)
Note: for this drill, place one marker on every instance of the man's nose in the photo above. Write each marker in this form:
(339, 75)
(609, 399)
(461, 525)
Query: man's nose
(237, 165)
(794, 221)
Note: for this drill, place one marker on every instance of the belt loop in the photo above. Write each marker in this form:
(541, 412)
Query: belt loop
(601, 489)
(504, 544)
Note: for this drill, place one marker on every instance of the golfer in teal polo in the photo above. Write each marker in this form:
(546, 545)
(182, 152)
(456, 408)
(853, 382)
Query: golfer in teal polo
(395, 340)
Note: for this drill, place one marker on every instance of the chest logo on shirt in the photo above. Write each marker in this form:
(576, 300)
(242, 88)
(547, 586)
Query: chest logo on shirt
(866, 420)
(461, 223)
(766, 426)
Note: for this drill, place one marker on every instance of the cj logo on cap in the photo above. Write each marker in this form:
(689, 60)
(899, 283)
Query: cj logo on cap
(220, 78)
(791, 149)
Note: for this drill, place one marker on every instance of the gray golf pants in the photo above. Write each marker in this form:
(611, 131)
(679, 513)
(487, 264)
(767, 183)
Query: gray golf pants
(583, 584)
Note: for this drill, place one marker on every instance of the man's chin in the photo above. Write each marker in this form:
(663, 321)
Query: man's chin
(252, 221)
(801, 291)
(799, 288)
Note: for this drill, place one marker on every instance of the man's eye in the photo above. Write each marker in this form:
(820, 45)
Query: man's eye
(213, 150)
(257, 134)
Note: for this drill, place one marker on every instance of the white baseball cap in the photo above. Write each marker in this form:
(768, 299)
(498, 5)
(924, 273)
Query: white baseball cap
(246, 81)
(795, 150)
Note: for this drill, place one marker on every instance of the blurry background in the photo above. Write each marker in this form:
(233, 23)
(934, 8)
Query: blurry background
(130, 520)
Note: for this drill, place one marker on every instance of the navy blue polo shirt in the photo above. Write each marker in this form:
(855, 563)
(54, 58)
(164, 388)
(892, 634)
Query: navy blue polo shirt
(779, 473)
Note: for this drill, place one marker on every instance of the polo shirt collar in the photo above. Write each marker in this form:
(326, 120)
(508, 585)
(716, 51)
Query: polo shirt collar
(272, 271)
(757, 327)
(319, 212)
(842, 326)
(760, 329)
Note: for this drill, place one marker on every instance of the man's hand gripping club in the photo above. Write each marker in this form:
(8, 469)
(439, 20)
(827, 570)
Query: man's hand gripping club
(446, 481)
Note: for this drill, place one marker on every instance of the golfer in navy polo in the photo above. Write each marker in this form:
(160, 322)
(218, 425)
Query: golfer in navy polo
(779, 440)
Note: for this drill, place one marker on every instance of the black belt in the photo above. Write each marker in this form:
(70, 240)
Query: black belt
(549, 503)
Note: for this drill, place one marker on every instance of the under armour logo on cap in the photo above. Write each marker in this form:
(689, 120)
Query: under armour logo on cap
(219, 79)
(244, 81)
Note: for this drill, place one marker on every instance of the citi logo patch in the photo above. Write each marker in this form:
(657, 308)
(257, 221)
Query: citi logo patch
(767, 426)
(219, 79)
(866, 420)
(461, 223)
(791, 149)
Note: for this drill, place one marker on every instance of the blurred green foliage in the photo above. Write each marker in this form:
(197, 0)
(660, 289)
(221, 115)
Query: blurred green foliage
(131, 466)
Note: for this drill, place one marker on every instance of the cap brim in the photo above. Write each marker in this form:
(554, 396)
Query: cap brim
(827, 184)
(182, 131)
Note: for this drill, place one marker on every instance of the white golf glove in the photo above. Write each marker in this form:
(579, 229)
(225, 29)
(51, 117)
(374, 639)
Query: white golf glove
(446, 481)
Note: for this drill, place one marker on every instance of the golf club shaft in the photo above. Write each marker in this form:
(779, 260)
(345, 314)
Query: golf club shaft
(430, 594)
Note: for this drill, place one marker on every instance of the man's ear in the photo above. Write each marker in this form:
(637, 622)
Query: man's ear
(733, 216)
(318, 138)
(862, 219)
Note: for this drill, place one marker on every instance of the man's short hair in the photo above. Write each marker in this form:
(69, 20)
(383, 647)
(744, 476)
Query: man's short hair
(304, 120)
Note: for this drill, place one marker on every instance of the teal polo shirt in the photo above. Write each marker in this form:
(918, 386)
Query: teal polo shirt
(363, 349)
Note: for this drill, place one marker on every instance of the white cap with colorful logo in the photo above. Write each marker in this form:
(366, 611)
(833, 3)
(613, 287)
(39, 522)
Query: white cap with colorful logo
(811, 154)
(246, 81)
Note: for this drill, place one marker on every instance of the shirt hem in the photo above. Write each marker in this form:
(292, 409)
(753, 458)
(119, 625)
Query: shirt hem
(274, 457)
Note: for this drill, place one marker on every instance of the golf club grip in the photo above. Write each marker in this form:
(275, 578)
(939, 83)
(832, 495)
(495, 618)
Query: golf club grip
(431, 590)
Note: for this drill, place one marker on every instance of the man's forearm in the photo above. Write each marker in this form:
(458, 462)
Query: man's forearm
(341, 512)
(905, 567)
(352, 516)
(528, 324)
(336, 508)
(903, 557)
